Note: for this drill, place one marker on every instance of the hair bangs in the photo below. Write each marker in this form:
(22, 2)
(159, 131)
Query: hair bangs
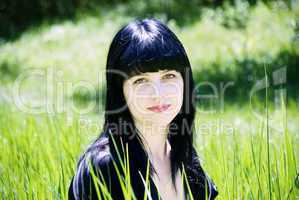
(151, 55)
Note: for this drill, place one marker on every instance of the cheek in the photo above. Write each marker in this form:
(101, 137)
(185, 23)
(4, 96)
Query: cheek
(139, 99)
(174, 91)
(136, 99)
(130, 97)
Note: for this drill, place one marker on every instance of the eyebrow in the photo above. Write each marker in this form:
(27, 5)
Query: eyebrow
(163, 72)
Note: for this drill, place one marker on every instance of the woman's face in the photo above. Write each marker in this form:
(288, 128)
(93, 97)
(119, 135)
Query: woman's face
(154, 97)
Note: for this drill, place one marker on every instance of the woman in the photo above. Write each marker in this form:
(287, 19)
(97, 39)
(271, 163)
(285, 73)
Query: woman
(148, 129)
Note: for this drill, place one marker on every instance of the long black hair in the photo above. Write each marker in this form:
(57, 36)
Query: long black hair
(148, 45)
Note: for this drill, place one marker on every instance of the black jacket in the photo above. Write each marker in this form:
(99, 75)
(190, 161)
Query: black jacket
(100, 158)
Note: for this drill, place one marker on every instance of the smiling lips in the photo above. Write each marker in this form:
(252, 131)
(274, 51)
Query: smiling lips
(159, 108)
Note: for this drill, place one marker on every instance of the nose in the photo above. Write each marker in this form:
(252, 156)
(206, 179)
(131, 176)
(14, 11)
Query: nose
(158, 91)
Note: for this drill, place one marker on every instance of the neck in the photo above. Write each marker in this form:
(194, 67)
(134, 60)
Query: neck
(155, 139)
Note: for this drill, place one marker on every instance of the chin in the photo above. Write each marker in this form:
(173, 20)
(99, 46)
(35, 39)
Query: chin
(163, 121)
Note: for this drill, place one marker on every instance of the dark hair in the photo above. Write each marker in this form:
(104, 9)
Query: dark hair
(148, 46)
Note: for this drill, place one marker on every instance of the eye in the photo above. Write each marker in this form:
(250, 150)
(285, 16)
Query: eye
(169, 76)
(140, 80)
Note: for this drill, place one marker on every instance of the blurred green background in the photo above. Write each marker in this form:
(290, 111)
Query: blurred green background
(52, 89)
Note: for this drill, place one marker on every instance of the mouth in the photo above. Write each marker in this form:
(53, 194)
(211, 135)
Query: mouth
(159, 108)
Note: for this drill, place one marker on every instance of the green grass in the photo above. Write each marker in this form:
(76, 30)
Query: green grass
(39, 152)
(244, 164)
(250, 152)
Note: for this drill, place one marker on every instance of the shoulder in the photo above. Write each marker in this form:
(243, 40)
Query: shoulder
(97, 156)
(94, 165)
(98, 153)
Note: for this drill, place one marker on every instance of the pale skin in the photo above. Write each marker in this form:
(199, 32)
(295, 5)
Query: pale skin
(163, 89)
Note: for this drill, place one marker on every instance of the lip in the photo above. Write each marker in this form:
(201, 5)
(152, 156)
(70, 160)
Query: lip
(159, 108)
